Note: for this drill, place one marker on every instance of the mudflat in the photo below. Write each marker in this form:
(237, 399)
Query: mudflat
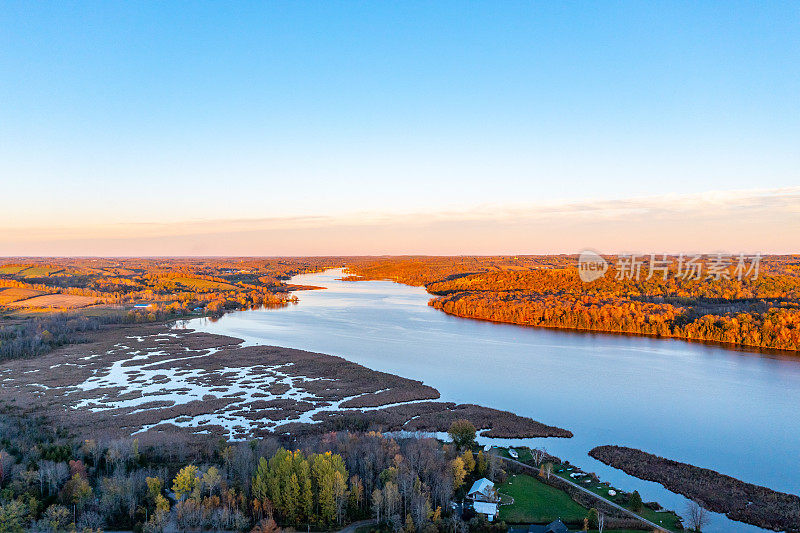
(152, 381)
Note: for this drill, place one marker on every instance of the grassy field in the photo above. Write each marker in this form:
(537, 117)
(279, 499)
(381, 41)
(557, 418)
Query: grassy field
(668, 520)
(40, 272)
(12, 295)
(524, 454)
(12, 269)
(58, 301)
(537, 503)
(204, 284)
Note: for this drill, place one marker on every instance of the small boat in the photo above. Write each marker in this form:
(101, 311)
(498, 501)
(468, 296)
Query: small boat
(513, 453)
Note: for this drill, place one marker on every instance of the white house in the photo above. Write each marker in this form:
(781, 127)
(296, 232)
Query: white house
(484, 498)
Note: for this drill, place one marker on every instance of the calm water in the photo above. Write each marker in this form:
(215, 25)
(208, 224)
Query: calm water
(735, 412)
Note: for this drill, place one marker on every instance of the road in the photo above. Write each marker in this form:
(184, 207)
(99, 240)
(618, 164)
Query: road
(590, 493)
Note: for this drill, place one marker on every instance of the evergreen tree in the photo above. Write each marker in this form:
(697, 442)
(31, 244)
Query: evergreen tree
(635, 502)
(292, 500)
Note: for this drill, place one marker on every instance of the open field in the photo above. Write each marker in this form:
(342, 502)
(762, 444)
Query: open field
(40, 271)
(204, 284)
(12, 269)
(538, 503)
(56, 301)
(8, 296)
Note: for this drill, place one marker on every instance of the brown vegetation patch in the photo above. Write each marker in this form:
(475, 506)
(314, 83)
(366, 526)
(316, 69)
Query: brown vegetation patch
(386, 397)
(166, 381)
(500, 424)
(430, 417)
(738, 500)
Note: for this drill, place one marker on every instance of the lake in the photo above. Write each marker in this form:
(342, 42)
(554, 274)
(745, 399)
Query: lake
(729, 410)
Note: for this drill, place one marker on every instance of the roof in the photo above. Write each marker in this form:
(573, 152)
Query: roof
(556, 526)
(480, 486)
(486, 508)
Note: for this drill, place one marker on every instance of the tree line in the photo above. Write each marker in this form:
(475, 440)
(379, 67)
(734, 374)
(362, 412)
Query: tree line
(761, 311)
(52, 482)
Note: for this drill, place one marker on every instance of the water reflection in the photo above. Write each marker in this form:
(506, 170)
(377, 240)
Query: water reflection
(729, 410)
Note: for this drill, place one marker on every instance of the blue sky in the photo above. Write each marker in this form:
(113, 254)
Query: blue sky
(120, 113)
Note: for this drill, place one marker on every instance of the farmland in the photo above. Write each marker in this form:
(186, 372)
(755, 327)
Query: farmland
(170, 287)
(8, 296)
(55, 301)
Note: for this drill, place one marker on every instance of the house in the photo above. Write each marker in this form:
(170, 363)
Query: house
(482, 491)
(484, 498)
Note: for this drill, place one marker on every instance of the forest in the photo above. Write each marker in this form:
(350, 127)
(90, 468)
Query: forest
(51, 481)
(760, 311)
(46, 303)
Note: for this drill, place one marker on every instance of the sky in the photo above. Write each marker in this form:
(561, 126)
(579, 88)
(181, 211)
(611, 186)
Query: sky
(307, 128)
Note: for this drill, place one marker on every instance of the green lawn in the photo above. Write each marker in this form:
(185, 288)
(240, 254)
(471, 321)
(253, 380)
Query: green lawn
(537, 503)
(524, 454)
(668, 520)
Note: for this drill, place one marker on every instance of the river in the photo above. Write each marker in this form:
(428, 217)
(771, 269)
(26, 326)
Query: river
(729, 410)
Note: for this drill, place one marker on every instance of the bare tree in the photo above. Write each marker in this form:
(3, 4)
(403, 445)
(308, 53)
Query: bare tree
(697, 516)
(5, 466)
(601, 521)
(538, 455)
(493, 467)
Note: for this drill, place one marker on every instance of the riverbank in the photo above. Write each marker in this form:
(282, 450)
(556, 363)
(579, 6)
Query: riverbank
(546, 291)
(555, 375)
(587, 491)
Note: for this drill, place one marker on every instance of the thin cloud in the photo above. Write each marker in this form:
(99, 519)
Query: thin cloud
(760, 219)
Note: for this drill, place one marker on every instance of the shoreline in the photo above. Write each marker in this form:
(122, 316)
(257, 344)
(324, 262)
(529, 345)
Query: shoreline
(744, 348)
(146, 379)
